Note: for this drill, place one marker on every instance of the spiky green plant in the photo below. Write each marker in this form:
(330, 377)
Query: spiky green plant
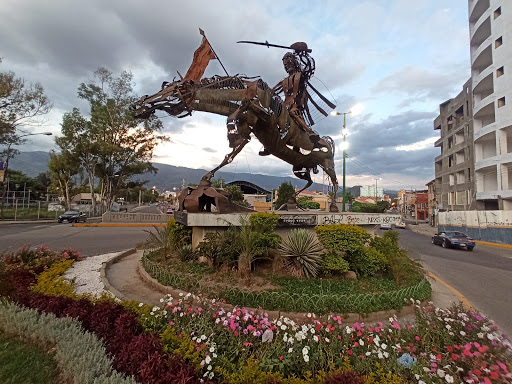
(301, 253)
(185, 253)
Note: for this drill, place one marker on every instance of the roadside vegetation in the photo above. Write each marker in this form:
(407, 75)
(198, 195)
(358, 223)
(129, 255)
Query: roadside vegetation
(192, 339)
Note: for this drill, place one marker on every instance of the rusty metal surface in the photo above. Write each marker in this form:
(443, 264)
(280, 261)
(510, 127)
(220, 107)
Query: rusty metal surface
(279, 117)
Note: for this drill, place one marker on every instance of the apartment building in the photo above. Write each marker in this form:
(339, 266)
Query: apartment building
(474, 169)
(490, 27)
(454, 167)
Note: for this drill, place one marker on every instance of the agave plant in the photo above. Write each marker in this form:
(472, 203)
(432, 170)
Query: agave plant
(301, 253)
(185, 253)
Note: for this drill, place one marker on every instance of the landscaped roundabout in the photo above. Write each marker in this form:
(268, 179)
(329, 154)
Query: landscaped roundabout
(223, 330)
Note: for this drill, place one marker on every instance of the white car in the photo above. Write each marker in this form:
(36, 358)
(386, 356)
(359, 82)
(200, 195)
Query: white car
(385, 226)
(400, 224)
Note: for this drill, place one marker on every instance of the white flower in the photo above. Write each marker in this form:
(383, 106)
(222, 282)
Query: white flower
(440, 373)
(312, 331)
(161, 300)
(212, 349)
(348, 330)
(327, 340)
(304, 351)
(209, 367)
(368, 353)
(208, 359)
(383, 346)
(203, 337)
(283, 327)
(448, 379)
(306, 358)
(151, 313)
(279, 323)
(480, 335)
(309, 314)
(315, 338)
(290, 350)
(141, 304)
(361, 342)
(448, 326)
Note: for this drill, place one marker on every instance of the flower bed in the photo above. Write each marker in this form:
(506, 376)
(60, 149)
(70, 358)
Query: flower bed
(291, 300)
(241, 346)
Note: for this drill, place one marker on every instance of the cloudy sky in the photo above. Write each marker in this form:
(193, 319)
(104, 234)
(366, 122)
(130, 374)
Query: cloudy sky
(399, 59)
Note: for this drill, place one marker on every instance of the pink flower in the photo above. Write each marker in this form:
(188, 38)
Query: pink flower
(395, 325)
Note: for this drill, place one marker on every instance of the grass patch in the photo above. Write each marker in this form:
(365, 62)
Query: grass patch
(25, 363)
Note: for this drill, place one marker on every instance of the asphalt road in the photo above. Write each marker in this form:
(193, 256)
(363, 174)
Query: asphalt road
(483, 276)
(89, 241)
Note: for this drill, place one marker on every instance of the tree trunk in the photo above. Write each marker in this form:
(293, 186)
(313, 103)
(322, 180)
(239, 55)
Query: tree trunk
(244, 265)
(91, 188)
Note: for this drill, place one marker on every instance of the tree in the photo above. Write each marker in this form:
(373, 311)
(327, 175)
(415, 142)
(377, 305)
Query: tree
(20, 104)
(236, 195)
(79, 139)
(284, 193)
(63, 167)
(218, 183)
(123, 145)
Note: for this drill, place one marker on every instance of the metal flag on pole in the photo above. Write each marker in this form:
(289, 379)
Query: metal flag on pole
(217, 57)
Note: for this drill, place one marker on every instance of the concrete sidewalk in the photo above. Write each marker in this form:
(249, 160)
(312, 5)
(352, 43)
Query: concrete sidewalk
(122, 278)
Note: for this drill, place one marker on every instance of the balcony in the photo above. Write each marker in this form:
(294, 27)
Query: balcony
(477, 9)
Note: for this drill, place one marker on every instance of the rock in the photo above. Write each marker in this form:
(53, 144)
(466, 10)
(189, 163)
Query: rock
(350, 275)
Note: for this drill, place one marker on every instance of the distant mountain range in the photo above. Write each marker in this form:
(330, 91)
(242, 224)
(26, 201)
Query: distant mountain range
(169, 176)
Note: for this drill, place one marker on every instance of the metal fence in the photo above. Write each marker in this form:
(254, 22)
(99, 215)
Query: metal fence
(300, 301)
(23, 209)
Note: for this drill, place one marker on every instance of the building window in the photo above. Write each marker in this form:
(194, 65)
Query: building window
(498, 42)
(450, 161)
(500, 72)
(450, 142)
(451, 198)
(469, 174)
(501, 102)
(497, 13)
(452, 180)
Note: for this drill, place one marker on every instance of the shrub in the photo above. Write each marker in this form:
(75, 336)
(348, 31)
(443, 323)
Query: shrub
(33, 258)
(265, 225)
(51, 282)
(342, 237)
(301, 253)
(180, 234)
(366, 261)
(220, 248)
(333, 263)
(185, 253)
(344, 377)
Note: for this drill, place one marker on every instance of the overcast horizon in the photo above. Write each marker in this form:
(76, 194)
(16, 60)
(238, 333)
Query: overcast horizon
(398, 59)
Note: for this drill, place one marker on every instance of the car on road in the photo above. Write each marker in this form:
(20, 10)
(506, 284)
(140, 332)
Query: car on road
(385, 226)
(170, 211)
(400, 224)
(453, 239)
(72, 217)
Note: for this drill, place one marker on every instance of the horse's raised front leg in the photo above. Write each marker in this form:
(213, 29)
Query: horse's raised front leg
(227, 159)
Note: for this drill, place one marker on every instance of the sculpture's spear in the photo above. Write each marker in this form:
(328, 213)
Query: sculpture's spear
(297, 47)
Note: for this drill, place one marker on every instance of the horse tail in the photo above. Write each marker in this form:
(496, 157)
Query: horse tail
(330, 141)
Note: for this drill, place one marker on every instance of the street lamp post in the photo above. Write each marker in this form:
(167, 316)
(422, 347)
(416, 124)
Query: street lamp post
(344, 134)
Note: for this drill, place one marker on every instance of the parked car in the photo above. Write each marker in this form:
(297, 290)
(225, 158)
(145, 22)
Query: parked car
(170, 211)
(385, 226)
(72, 217)
(449, 239)
(400, 224)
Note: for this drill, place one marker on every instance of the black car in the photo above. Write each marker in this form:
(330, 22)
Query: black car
(72, 217)
(449, 239)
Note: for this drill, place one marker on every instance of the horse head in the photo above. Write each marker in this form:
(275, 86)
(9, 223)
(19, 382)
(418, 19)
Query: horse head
(172, 98)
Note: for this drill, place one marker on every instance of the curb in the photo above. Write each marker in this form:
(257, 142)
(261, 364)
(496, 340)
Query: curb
(296, 316)
(103, 275)
(508, 246)
(119, 225)
(459, 295)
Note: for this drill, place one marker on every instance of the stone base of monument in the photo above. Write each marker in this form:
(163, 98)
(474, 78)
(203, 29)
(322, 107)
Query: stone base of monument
(203, 223)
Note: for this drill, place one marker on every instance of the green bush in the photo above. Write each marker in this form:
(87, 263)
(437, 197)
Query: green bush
(180, 234)
(342, 237)
(333, 264)
(185, 253)
(221, 248)
(366, 261)
(265, 225)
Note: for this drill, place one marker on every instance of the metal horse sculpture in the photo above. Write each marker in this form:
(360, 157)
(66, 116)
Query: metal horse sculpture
(251, 106)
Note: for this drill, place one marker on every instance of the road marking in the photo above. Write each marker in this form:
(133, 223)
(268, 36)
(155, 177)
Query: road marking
(459, 295)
